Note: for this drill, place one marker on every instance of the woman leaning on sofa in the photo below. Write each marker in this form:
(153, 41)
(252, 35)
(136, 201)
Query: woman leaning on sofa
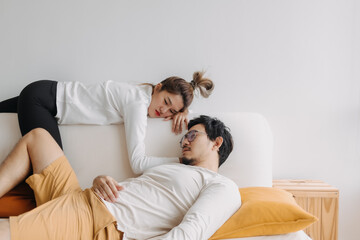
(47, 103)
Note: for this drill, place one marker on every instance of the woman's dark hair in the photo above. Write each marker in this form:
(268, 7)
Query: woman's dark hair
(179, 86)
(215, 128)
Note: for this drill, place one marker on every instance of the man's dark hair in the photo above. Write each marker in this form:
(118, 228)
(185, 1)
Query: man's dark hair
(215, 128)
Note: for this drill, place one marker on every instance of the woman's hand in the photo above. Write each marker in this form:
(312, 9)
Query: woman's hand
(179, 120)
(106, 187)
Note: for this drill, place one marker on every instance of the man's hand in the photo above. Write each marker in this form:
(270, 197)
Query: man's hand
(106, 187)
(179, 120)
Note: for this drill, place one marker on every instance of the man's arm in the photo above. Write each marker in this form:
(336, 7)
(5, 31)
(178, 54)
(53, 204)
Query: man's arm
(106, 187)
(216, 204)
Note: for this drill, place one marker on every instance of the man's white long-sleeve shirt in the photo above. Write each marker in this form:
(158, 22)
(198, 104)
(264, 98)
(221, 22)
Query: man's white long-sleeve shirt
(107, 103)
(174, 201)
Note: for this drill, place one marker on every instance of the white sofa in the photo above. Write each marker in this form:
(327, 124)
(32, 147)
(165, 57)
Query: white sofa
(94, 150)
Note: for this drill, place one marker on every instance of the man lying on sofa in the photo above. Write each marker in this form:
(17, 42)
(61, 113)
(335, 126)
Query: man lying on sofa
(187, 200)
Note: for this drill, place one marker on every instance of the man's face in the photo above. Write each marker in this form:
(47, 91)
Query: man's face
(197, 150)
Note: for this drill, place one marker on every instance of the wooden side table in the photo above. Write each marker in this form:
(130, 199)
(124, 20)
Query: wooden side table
(319, 199)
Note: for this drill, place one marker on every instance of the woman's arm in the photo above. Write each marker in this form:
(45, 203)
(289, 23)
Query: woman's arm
(179, 120)
(135, 121)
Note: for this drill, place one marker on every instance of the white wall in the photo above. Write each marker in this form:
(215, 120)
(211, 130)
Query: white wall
(296, 62)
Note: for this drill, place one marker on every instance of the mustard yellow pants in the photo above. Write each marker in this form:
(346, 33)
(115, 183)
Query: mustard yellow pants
(63, 211)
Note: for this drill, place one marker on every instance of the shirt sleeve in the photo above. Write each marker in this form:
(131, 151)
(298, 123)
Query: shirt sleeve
(215, 205)
(135, 121)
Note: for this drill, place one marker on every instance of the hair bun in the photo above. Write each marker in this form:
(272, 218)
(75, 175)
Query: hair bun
(205, 85)
(193, 84)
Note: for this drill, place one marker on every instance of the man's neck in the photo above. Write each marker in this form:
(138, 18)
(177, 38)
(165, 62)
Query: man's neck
(210, 165)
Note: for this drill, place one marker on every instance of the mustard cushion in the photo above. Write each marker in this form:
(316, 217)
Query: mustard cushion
(265, 211)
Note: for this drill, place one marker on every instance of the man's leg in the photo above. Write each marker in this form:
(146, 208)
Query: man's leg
(35, 150)
(5, 230)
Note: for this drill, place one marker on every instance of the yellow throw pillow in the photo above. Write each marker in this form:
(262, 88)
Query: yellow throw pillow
(265, 211)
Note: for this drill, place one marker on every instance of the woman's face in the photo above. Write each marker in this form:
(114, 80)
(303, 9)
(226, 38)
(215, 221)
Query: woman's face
(164, 104)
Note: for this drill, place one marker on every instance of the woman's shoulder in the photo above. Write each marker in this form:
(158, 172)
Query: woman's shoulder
(128, 85)
(140, 91)
(130, 92)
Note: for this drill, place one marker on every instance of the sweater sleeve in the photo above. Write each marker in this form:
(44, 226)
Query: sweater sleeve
(135, 121)
(215, 205)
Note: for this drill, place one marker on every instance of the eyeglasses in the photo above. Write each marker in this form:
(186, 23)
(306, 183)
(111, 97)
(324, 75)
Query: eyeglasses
(190, 136)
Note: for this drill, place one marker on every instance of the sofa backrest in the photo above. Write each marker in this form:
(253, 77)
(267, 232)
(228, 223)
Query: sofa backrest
(101, 150)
